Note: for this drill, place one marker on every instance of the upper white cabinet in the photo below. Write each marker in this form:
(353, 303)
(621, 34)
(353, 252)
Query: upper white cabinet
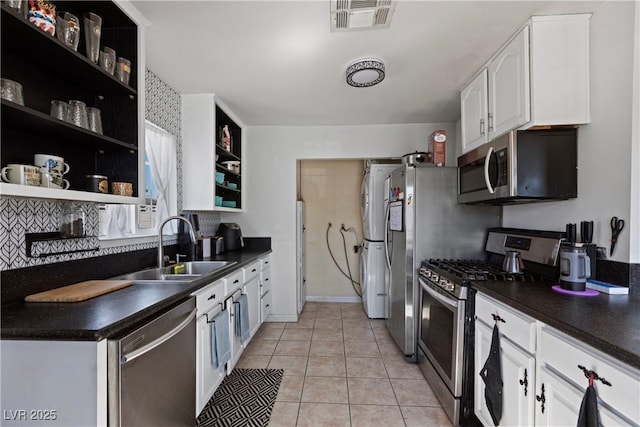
(206, 122)
(509, 86)
(474, 101)
(540, 77)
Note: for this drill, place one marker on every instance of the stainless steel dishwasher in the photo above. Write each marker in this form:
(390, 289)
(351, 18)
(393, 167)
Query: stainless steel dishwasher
(152, 371)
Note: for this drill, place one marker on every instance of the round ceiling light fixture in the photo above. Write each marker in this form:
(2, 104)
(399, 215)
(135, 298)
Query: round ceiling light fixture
(365, 72)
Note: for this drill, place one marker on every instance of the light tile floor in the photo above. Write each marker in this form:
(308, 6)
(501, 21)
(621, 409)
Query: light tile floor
(341, 369)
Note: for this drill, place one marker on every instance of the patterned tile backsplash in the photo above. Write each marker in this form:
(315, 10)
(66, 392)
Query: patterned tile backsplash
(21, 216)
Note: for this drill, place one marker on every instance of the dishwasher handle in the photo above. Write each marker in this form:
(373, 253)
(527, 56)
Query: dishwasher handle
(126, 358)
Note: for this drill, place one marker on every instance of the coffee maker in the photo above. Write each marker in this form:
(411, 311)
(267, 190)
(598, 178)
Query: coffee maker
(232, 236)
(577, 259)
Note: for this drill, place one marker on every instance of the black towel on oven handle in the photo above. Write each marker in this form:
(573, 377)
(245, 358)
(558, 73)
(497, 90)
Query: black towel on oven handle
(491, 374)
(589, 415)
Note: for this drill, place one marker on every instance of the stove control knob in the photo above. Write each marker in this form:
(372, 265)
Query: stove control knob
(427, 273)
(446, 284)
(435, 277)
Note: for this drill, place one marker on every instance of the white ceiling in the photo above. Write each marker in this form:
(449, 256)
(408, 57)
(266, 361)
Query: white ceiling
(278, 63)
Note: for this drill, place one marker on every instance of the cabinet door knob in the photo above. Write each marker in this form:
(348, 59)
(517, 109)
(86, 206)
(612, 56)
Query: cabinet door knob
(212, 296)
(490, 122)
(482, 127)
(524, 382)
(541, 398)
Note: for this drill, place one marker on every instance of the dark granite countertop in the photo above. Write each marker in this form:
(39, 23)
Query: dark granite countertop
(110, 314)
(609, 323)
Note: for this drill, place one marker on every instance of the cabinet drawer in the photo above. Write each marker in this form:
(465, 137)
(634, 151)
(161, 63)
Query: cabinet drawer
(265, 306)
(517, 327)
(265, 262)
(265, 281)
(233, 282)
(209, 296)
(562, 354)
(251, 271)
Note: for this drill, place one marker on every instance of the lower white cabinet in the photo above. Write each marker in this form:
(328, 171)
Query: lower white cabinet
(518, 365)
(208, 377)
(265, 292)
(53, 383)
(518, 373)
(562, 403)
(252, 289)
(564, 382)
(543, 384)
(233, 293)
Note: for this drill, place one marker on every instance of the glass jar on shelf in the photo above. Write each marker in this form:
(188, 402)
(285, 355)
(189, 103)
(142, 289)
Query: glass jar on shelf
(72, 220)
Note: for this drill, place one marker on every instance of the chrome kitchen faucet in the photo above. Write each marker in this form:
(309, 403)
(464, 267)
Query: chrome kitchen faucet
(192, 234)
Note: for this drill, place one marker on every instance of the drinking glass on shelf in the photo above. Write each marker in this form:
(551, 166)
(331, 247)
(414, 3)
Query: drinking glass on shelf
(123, 70)
(19, 6)
(68, 29)
(108, 60)
(95, 120)
(11, 91)
(59, 110)
(92, 31)
(78, 114)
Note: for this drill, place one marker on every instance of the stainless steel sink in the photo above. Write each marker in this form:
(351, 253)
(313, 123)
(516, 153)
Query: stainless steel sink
(193, 271)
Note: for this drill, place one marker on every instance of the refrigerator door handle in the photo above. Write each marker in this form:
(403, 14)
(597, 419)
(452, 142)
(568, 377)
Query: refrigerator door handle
(386, 236)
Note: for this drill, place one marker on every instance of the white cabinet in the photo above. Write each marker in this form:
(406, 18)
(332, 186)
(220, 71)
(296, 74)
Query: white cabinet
(265, 293)
(564, 382)
(234, 282)
(540, 77)
(203, 154)
(474, 101)
(252, 289)
(509, 86)
(518, 365)
(208, 377)
(54, 383)
(542, 382)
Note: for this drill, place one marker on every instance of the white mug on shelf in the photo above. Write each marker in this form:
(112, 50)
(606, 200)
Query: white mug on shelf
(53, 180)
(21, 174)
(51, 163)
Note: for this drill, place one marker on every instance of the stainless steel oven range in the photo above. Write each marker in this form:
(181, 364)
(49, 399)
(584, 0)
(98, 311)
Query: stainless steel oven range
(446, 310)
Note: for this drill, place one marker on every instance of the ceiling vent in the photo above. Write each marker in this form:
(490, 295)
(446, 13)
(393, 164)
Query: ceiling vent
(354, 15)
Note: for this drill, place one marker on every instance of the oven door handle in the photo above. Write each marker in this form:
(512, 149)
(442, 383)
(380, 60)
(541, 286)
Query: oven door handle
(487, 181)
(438, 297)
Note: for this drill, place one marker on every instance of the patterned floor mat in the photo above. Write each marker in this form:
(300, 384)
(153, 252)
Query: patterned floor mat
(245, 398)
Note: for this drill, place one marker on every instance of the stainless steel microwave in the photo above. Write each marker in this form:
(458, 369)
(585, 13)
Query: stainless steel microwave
(521, 167)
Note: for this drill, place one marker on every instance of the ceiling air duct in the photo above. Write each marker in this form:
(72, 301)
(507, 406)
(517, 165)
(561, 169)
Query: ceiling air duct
(357, 15)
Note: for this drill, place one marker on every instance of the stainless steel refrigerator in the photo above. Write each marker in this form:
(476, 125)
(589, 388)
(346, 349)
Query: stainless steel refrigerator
(425, 221)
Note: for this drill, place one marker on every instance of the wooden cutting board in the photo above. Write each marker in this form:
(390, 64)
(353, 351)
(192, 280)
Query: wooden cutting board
(79, 291)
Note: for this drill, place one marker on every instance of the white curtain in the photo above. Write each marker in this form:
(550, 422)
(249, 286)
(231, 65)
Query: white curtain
(119, 220)
(161, 150)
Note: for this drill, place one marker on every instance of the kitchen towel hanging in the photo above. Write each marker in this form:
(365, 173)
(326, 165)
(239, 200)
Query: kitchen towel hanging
(491, 374)
(242, 318)
(588, 416)
(220, 344)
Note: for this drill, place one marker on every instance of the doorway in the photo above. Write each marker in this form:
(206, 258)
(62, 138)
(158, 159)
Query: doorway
(330, 190)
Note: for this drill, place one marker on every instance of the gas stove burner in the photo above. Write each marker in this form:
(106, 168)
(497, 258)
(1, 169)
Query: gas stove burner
(464, 271)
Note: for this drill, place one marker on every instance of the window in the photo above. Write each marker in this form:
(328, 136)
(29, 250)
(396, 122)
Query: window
(160, 170)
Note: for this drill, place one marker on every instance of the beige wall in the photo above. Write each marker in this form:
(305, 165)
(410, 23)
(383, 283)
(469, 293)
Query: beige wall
(331, 192)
